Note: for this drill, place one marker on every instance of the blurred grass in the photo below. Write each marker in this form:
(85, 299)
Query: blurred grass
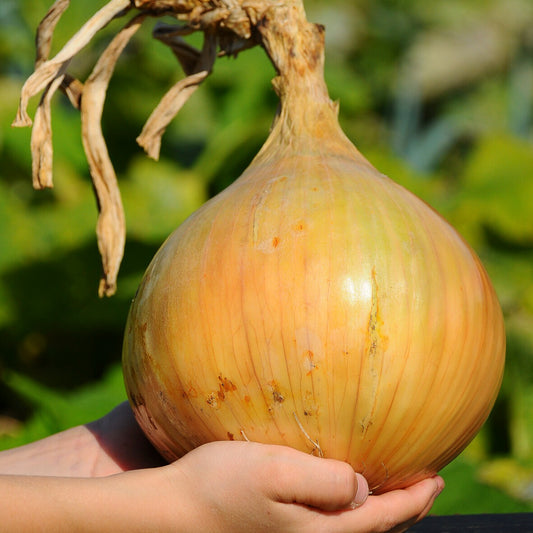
(449, 119)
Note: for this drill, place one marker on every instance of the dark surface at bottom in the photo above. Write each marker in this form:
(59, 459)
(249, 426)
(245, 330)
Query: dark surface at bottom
(485, 523)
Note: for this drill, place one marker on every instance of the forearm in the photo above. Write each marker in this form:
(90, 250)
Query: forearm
(45, 503)
(34, 504)
(129, 502)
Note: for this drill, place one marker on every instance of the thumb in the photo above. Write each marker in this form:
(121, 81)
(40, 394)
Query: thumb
(326, 484)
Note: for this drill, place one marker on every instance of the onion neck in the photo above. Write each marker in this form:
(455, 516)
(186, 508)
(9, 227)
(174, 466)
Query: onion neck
(307, 121)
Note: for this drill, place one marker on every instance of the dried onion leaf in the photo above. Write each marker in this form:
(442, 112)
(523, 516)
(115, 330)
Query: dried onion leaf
(111, 227)
(50, 69)
(186, 54)
(73, 88)
(226, 19)
(175, 98)
(43, 44)
(41, 139)
(41, 135)
(45, 30)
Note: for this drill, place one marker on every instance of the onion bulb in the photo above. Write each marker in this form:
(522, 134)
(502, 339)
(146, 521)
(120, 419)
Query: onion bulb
(315, 303)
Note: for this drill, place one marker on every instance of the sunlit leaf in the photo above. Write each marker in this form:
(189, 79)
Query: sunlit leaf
(497, 188)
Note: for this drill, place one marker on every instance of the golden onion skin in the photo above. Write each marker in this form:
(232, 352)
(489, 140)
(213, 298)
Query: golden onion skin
(317, 304)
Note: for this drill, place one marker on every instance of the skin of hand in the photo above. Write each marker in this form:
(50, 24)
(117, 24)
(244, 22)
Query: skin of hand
(109, 445)
(257, 487)
(113, 480)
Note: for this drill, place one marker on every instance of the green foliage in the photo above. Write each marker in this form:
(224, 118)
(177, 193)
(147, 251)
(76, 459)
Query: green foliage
(496, 190)
(56, 411)
(459, 136)
(469, 492)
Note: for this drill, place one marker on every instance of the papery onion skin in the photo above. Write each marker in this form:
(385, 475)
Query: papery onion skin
(317, 304)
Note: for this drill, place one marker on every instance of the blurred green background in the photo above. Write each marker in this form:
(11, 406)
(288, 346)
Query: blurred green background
(438, 95)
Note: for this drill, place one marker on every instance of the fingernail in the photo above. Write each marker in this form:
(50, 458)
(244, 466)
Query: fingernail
(440, 485)
(362, 492)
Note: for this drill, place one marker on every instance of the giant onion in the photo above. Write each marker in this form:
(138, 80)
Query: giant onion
(314, 303)
(317, 304)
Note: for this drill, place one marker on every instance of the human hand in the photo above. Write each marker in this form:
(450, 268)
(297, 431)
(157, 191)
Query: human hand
(109, 445)
(244, 486)
(218, 487)
(120, 443)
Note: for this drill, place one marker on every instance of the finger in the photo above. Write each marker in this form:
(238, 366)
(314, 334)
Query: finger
(325, 484)
(440, 487)
(402, 506)
(398, 509)
(394, 511)
(412, 521)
